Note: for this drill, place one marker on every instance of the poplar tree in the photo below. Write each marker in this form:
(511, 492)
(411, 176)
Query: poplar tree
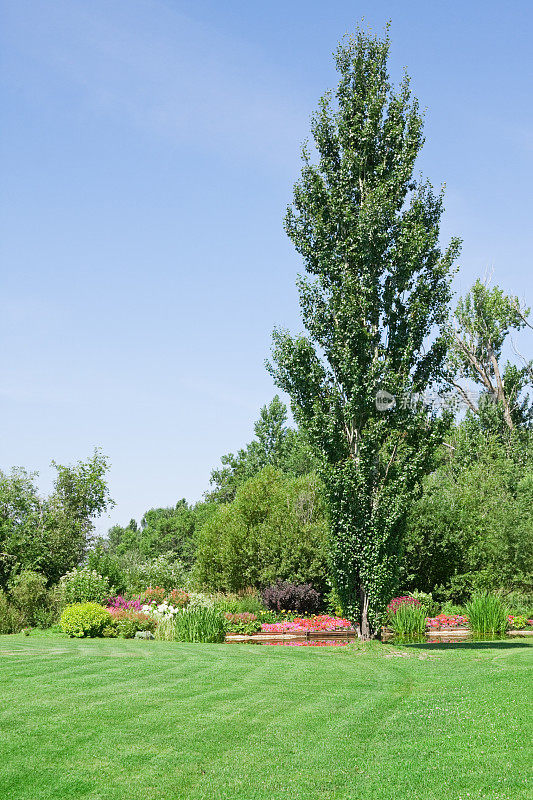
(373, 302)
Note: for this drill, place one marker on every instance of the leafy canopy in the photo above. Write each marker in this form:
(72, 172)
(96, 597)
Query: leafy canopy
(50, 534)
(276, 528)
(482, 324)
(373, 302)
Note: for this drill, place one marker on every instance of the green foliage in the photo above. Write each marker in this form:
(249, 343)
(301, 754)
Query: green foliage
(276, 528)
(487, 615)
(482, 322)
(21, 528)
(274, 445)
(243, 623)
(82, 491)
(85, 619)
(83, 585)
(519, 602)
(408, 620)
(169, 530)
(30, 595)
(50, 535)
(471, 529)
(247, 602)
(163, 531)
(519, 622)
(452, 609)
(163, 571)
(123, 540)
(373, 303)
(165, 629)
(127, 622)
(200, 625)
(105, 563)
(11, 619)
(427, 602)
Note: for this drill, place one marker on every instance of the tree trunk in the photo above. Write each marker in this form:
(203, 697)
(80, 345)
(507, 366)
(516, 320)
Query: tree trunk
(500, 395)
(365, 625)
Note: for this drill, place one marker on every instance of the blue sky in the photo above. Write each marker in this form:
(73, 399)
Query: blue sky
(149, 151)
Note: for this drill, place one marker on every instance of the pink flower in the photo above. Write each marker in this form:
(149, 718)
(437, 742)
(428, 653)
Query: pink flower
(316, 623)
(396, 602)
(446, 621)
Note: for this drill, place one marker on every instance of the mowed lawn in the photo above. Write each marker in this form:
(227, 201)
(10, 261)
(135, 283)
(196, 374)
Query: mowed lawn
(134, 720)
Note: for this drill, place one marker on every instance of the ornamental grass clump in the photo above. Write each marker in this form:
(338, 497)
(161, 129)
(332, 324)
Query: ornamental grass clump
(200, 625)
(487, 615)
(407, 618)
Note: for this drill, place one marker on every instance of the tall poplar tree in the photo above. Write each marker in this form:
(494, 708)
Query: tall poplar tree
(373, 303)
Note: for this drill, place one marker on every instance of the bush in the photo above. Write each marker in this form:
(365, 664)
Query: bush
(333, 603)
(275, 529)
(300, 598)
(85, 619)
(470, 530)
(11, 619)
(200, 600)
(427, 601)
(487, 614)
(199, 625)
(127, 622)
(246, 602)
(162, 571)
(519, 602)
(244, 623)
(178, 598)
(407, 619)
(110, 566)
(452, 609)
(85, 586)
(30, 595)
(153, 594)
(44, 618)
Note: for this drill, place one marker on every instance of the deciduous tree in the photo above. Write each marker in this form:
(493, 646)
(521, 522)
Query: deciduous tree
(373, 302)
(482, 324)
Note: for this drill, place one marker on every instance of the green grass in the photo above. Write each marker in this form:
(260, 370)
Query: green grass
(136, 720)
